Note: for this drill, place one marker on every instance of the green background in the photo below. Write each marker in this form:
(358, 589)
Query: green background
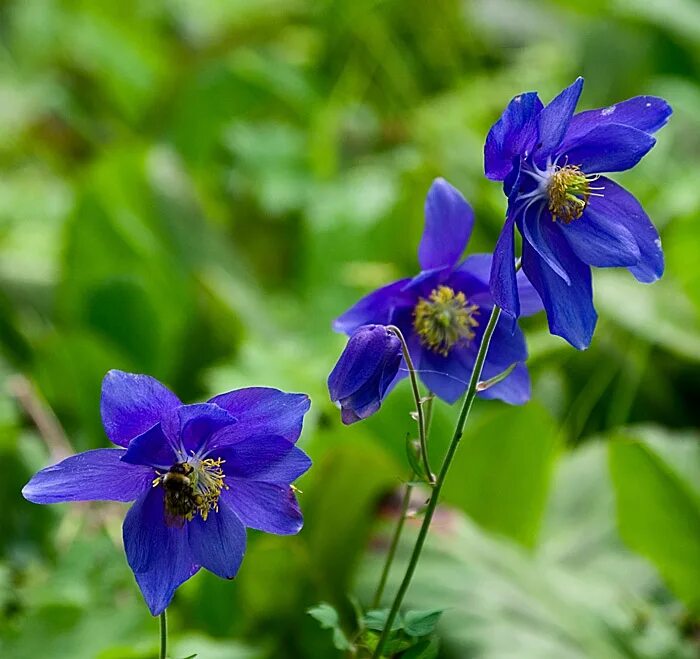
(194, 189)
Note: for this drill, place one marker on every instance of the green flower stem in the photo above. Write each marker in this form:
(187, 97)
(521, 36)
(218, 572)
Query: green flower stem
(405, 502)
(428, 413)
(163, 635)
(423, 440)
(447, 462)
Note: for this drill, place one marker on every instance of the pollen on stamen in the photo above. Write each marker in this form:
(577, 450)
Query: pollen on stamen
(444, 320)
(192, 487)
(569, 191)
(208, 485)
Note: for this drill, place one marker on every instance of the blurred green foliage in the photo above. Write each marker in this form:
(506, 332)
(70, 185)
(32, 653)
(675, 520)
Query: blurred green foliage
(195, 188)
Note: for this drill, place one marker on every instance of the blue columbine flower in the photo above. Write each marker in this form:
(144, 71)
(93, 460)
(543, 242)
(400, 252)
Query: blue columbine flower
(569, 215)
(366, 368)
(442, 311)
(199, 474)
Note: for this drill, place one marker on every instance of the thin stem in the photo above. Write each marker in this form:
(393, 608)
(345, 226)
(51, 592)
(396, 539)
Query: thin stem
(405, 502)
(447, 462)
(419, 403)
(163, 635)
(428, 413)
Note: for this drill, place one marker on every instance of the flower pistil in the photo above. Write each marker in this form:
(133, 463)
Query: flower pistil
(445, 319)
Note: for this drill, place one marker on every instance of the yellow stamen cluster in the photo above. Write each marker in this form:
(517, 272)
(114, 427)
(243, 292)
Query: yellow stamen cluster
(192, 487)
(208, 485)
(444, 320)
(569, 190)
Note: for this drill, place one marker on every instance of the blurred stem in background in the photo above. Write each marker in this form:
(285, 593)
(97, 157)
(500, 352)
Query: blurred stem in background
(444, 469)
(405, 502)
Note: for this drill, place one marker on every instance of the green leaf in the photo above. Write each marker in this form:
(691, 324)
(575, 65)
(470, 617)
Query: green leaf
(328, 618)
(676, 321)
(426, 649)
(376, 620)
(421, 623)
(487, 384)
(326, 615)
(412, 452)
(341, 499)
(658, 516)
(502, 472)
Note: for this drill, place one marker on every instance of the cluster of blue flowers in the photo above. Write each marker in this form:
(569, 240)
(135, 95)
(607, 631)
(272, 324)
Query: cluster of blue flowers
(570, 217)
(201, 474)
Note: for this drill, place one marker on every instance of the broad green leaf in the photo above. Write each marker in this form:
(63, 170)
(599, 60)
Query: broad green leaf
(661, 314)
(197, 644)
(421, 623)
(502, 470)
(426, 649)
(376, 620)
(340, 502)
(658, 515)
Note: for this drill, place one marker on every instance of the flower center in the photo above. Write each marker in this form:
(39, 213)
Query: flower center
(192, 487)
(444, 319)
(568, 192)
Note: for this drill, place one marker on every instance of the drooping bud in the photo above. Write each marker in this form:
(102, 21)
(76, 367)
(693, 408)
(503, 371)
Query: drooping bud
(366, 368)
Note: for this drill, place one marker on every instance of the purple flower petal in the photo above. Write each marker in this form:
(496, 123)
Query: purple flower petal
(158, 585)
(446, 376)
(514, 134)
(514, 390)
(151, 448)
(375, 308)
(503, 283)
(472, 275)
(476, 285)
(97, 475)
(271, 459)
(132, 403)
(599, 238)
(145, 530)
(539, 231)
(620, 205)
(530, 300)
(267, 507)
(507, 345)
(449, 221)
(554, 119)
(647, 113)
(610, 148)
(421, 286)
(218, 543)
(193, 428)
(158, 554)
(266, 411)
(570, 311)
